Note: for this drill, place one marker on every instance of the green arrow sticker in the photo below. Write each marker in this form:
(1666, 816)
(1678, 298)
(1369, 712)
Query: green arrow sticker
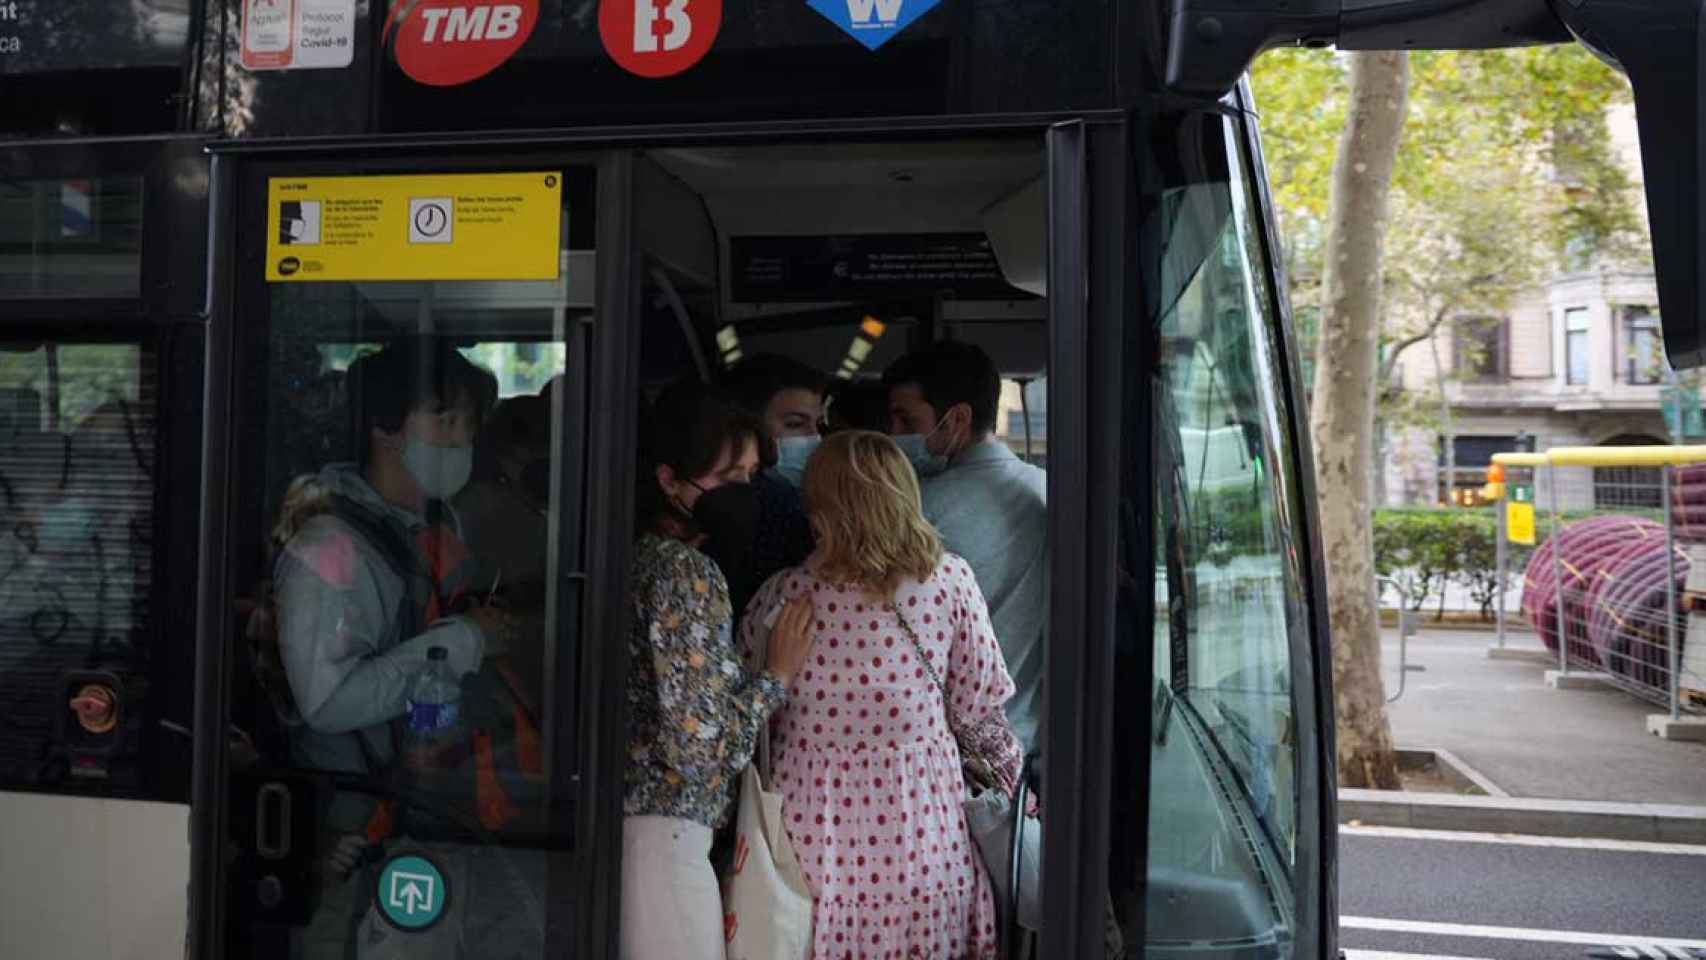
(411, 893)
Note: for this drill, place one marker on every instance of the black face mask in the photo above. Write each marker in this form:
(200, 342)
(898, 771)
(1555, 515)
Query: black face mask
(728, 517)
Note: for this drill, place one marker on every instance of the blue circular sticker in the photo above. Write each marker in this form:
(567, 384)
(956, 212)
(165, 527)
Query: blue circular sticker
(411, 892)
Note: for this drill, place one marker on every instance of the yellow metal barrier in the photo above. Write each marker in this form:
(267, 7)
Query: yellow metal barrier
(1605, 457)
(1636, 657)
(1520, 459)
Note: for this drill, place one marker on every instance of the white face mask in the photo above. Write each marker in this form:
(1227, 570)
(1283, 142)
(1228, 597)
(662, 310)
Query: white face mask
(441, 472)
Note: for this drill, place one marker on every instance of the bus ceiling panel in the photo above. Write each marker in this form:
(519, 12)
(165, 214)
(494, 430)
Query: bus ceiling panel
(997, 164)
(831, 211)
(1033, 311)
(829, 348)
(673, 225)
(1019, 350)
(863, 188)
(1212, 42)
(1017, 226)
(870, 188)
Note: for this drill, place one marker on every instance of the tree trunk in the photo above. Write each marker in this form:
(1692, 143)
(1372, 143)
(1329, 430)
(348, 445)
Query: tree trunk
(1342, 416)
(1450, 445)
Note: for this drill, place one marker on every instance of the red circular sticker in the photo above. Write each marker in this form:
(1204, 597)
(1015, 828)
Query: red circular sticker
(659, 38)
(446, 42)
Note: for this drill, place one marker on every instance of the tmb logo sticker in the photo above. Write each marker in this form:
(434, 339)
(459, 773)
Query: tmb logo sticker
(446, 42)
(873, 22)
(659, 38)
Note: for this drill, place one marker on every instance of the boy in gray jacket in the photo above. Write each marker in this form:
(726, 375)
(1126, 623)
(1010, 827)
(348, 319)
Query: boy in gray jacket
(372, 562)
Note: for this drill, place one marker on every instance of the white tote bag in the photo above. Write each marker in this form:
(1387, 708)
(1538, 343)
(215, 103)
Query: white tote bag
(767, 907)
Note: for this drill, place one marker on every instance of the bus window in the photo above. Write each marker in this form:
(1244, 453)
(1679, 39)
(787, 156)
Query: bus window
(77, 456)
(406, 621)
(1228, 590)
(73, 238)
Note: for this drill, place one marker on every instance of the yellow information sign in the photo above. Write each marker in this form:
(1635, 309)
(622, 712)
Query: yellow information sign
(476, 226)
(1519, 522)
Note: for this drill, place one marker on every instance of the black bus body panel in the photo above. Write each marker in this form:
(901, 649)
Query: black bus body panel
(148, 650)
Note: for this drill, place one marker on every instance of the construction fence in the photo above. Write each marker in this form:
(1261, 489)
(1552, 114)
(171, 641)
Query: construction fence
(1619, 589)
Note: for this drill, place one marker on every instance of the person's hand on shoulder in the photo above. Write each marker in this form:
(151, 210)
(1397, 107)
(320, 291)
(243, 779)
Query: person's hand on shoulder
(791, 639)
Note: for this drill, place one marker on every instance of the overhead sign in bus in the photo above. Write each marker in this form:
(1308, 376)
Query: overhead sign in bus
(298, 34)
(816, 269)
(485, 226)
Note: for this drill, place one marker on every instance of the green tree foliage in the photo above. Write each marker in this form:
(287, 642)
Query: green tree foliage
(1506, 173)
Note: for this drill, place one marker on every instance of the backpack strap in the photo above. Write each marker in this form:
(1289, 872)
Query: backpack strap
(391, 540)
(387, 535)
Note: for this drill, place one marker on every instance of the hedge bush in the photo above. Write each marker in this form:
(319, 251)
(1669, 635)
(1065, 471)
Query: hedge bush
(1422, 549)
(1426, 549)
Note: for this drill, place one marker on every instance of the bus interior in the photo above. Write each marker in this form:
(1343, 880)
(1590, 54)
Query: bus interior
(843, 256)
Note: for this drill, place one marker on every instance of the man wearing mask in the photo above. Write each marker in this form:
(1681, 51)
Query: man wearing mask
(989, 506)
(370, 569)
(787, 397)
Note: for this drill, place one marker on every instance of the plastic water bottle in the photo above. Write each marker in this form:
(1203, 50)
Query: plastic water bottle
(434, 730)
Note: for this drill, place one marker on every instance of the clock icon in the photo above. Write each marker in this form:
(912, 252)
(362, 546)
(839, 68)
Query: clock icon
(431, 219)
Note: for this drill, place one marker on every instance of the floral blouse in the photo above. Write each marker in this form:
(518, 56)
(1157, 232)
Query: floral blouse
(694, 712)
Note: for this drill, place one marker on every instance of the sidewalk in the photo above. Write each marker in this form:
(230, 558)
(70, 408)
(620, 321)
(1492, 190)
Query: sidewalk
(1500, 718)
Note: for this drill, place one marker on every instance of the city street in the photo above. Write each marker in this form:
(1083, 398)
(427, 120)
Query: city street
(1500, 718)
(1413, 893)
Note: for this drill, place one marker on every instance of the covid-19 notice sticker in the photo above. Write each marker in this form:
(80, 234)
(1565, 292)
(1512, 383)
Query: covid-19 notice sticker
(659, 38)
(297, 34)
(446, 42)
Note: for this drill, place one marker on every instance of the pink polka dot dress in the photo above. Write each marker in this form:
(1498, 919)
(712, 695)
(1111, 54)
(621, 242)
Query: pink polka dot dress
(869, 769)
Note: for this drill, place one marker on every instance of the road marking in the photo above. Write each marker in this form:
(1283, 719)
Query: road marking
(1388, 955)
(1525, 840)
(1513, 933)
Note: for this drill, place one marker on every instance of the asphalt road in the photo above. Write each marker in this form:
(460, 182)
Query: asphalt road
(1420, 894)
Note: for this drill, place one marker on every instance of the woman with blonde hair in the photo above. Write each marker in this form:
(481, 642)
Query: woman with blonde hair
(865, 750)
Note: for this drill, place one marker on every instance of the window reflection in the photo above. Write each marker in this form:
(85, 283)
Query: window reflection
(67, 238)
(1223, 810)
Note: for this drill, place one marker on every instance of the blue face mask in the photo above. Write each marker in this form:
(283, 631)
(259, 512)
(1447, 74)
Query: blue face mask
(791, 456)
(916, 446)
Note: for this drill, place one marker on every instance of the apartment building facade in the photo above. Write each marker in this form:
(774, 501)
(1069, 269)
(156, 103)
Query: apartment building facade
(1578, 361)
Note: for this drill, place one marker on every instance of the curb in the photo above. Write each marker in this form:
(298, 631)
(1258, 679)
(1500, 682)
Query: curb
(1651, 822)
(1453, 768)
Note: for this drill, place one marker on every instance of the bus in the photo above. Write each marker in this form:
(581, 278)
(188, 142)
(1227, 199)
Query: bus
(211, 209)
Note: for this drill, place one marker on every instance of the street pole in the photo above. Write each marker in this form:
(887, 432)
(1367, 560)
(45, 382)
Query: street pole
(1558, 572)
(1670, 595)
(1503, 559)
